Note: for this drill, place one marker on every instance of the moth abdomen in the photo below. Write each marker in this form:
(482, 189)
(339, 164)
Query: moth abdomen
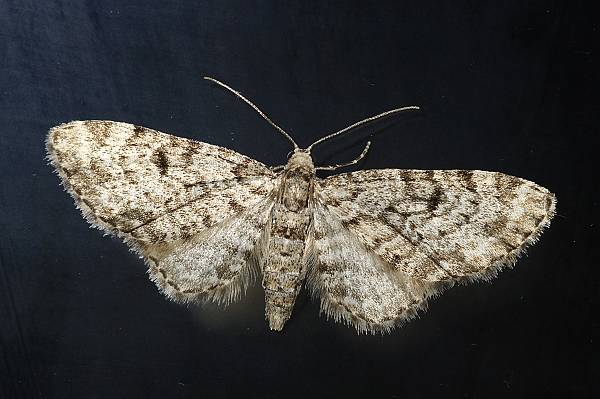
(283, 268)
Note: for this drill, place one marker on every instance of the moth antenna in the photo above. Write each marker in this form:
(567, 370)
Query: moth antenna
(238, 94)
(370, 119)
(342, 165)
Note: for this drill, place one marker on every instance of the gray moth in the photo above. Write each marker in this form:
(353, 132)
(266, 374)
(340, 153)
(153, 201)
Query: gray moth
(371, 245)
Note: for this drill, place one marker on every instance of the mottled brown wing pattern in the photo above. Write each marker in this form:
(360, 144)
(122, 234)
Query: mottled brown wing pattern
(154, 190)
(152, 187)
(439, 225)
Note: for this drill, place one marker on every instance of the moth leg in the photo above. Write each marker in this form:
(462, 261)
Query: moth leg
(277, 168)
(343, 165)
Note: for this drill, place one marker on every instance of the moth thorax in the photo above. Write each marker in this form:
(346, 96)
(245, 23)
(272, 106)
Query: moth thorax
(297, 181)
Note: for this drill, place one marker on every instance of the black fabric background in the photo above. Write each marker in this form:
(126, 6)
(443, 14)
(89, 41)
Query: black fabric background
(508, 87)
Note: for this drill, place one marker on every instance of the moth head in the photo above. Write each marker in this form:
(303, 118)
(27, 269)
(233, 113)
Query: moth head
(300, 159)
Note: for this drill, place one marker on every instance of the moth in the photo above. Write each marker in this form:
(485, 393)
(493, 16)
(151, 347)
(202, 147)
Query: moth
(371, 245)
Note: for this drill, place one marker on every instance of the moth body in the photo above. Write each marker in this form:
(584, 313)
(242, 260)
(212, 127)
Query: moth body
(372, 245)
(284, 265)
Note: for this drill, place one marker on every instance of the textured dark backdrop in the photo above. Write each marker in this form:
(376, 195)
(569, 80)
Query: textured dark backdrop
(503, 87)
